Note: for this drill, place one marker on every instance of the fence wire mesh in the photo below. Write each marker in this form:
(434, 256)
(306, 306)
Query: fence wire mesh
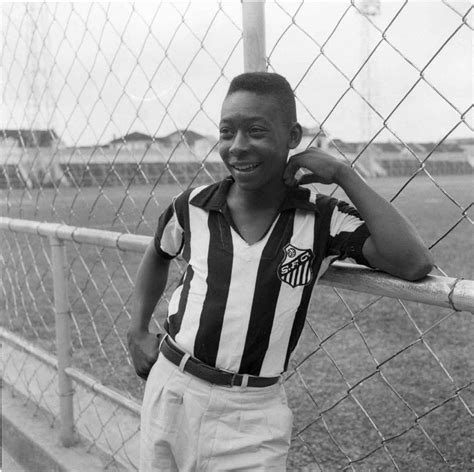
(109, 110)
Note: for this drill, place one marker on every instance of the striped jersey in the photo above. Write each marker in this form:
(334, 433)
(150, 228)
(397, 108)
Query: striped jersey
(241, 307)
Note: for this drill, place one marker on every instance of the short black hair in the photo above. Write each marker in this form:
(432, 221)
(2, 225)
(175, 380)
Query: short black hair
(267, 83)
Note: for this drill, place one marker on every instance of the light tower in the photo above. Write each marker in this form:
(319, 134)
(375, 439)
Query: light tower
(40, 159)
(38, 74)
(367, 9)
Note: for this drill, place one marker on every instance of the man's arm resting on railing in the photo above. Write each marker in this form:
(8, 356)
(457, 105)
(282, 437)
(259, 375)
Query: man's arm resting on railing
(394, 245)
(150, 284)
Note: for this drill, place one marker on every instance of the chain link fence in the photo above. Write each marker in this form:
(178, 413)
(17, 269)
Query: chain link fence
(109, 110)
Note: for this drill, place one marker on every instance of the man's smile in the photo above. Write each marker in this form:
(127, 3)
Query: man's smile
(245, 167)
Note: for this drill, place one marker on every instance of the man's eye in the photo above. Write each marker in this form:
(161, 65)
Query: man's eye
(257, 132)
(225, 133)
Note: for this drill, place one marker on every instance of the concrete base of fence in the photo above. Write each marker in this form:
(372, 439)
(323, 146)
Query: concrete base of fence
(106, 427)
(33, 443)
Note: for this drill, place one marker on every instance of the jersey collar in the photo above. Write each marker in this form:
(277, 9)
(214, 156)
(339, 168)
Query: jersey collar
(214, 197)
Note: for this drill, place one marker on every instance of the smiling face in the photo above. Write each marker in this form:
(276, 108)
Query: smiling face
(255, 138)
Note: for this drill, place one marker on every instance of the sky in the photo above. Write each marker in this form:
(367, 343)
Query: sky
(95, 71)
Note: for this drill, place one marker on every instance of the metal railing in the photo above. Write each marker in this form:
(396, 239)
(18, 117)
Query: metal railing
(446, 292)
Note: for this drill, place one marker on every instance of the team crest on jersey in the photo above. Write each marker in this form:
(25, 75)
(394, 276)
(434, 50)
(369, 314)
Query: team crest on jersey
(296, 266)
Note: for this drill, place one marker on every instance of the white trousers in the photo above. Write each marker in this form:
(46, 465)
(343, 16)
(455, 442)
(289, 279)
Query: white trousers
(190, 425)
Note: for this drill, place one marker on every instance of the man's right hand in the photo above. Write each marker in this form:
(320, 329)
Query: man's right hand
(144, 349)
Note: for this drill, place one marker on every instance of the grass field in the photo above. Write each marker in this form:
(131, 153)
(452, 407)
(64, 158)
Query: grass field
(384, 382)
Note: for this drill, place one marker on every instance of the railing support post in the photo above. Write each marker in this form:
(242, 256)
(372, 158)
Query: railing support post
(63, 340)
(253, 24)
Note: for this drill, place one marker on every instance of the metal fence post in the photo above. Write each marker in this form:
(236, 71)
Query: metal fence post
(253, 23)
(63, 340)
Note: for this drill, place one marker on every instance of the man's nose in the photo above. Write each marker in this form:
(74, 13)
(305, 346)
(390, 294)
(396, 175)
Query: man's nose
(239, 143)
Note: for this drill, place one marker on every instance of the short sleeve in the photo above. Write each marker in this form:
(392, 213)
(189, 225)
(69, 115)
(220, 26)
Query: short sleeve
(169, 236)
(348, 233)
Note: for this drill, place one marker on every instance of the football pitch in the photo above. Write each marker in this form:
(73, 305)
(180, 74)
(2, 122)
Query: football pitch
(382, 380)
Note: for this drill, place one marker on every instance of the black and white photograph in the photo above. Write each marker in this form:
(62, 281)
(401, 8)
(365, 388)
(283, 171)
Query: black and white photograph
(237, 236)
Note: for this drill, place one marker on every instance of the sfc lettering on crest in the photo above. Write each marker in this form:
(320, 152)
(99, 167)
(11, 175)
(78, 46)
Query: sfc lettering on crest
(296, 266)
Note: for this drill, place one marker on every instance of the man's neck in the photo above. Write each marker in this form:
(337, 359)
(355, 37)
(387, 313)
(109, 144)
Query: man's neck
(270, 197)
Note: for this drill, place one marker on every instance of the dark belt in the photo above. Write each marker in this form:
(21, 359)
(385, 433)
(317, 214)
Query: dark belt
(208, 373)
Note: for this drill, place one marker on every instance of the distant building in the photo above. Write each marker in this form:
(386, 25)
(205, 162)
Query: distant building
(133, 141)
(388, 149)
(185, 145)
(29, 138)
(315, 137)
(190, 145)
(180, 145)
(187, 137)
(467, 144)
(35, 155)
(367, 157)
(345, 148)
(447, 150)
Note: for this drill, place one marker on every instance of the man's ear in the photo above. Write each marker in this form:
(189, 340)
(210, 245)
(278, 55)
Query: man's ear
(296, 133)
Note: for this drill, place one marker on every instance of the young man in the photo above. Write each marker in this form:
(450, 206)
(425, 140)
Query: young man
(255, 244)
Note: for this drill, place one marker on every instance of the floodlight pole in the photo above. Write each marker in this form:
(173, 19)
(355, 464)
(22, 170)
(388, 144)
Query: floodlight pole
(253, 24)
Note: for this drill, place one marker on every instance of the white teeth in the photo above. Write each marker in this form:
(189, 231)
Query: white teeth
(246, 167)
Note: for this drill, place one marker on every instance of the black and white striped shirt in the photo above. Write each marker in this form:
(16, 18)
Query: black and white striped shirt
(241, 307)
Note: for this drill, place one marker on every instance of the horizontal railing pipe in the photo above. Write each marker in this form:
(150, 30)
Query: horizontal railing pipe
(446, 292)
(85, 380)
(29, 348)
(105, 392)
(97, 237)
